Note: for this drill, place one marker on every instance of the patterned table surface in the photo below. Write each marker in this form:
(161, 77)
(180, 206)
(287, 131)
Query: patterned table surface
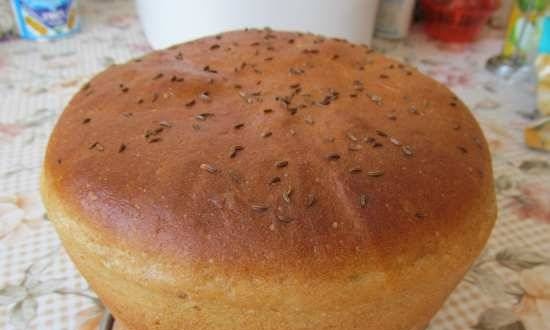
(508, 287)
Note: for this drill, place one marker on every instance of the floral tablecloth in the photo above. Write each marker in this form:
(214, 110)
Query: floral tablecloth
(507, 288)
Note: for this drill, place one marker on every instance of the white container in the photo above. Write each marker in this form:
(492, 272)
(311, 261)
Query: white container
(394, 18)
(167, 22)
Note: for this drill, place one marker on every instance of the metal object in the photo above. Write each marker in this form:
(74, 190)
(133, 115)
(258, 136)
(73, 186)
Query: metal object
(504, 66)
(107, 321)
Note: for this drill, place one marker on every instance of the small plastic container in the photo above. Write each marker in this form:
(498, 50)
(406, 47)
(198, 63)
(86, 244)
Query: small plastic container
(456, 20)
(45, 19)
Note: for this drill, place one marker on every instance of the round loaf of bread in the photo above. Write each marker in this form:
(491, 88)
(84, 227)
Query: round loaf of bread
(269, 180)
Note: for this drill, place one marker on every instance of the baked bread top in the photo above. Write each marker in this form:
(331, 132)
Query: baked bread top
(271, 150)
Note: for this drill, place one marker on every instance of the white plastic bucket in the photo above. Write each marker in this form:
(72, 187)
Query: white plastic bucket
(167, 22)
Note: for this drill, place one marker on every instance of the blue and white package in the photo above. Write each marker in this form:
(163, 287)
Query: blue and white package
(45, 19)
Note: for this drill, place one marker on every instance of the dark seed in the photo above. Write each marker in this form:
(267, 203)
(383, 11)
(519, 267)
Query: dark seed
(235, 150)
(275, 180)
(266, 134)
(381, 133)
(286, 194)
(351, 137)
(214, 47)
(333, 156)
(376, 99)
(363, 200)
(407, 150)
(260, 207)
(268, 110)
(209, 69)
(97, 146)
(281, 163)
(121, 148)
(310, 51)
(375, 174)
(203, 116)
(238, 126)
(86, 120)
(176, 79)
(284, 218)
(165, 124)
(462, 149)
(355, 170)
(395, 141)
(311, 199)
(209, 168)
(384, 76)
(155, 140)
(296, 71)
(419, 215)
(190, 103)
(205, 96)
(158, 76)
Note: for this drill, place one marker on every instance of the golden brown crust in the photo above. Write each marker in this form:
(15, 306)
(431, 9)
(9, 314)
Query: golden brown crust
(175, 157)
